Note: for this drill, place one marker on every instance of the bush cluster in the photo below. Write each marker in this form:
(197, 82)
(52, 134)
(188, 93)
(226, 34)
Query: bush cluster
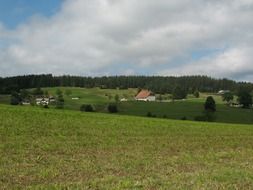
(87, 108)
(112, 108)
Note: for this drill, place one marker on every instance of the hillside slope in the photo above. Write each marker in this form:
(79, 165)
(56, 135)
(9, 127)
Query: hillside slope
(51, 149)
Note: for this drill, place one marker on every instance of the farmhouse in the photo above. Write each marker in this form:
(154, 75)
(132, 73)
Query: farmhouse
(145, 95)
(123, 100)
(26, 102)
(42, 101)
(222, 92)
(45, 100)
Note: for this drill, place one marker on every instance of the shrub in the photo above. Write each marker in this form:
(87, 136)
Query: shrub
(46, 106)
(196, 94)
(112, 108)
(15, 99)
(184, 118)
(228, 97)
(87, 108)
(159, 97)
(60, 102)
(116, 98)
(149, 114)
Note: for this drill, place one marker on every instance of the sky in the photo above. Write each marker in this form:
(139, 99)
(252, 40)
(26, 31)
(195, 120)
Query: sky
(127, 37)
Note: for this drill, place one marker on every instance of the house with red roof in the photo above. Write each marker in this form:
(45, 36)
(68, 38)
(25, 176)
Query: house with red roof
(145, 95)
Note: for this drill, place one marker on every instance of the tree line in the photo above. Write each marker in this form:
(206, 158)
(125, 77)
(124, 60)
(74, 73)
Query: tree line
(158, 84)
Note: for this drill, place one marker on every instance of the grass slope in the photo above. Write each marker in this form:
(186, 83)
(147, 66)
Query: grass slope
(51, 149)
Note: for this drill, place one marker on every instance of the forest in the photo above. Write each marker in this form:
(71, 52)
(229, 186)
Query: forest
(158, 84)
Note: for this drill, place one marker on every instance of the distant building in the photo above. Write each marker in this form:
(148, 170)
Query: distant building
(45, 100)
(123, 100)
(145, 95)
(221, 92)
(236, 105)
(42, 101)
(26, 102)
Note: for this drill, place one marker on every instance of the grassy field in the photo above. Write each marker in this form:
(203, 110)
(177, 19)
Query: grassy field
(188, 109)
(95, 96)
(61, 149)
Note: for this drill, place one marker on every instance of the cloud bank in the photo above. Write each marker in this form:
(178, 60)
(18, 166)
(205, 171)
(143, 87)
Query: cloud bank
(149, 37)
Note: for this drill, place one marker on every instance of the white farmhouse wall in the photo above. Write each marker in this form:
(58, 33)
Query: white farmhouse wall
(151, 98)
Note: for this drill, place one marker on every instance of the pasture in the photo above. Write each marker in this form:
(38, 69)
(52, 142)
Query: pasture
(95, 96)
(188, 109)
(61, 149)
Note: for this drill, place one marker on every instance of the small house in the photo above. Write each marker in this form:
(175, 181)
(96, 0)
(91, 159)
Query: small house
(145, 95)
(222, 92)
(26, 102)
(42, 101)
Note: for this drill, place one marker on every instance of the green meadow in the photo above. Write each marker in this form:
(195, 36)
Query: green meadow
(186, 110)
(183, 109)
(62, 149)
(95, 96)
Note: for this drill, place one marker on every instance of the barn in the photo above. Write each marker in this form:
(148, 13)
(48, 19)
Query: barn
(145, 95)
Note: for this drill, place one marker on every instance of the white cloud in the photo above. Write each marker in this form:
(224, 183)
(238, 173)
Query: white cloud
(127, 36)
(234, 63)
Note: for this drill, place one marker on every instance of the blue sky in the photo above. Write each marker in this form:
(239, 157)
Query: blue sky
(127, 37)
(14, 12)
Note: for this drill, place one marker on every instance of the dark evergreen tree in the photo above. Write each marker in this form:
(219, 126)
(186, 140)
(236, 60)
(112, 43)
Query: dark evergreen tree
(245, 98)
(210, 104)
(157, 84)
